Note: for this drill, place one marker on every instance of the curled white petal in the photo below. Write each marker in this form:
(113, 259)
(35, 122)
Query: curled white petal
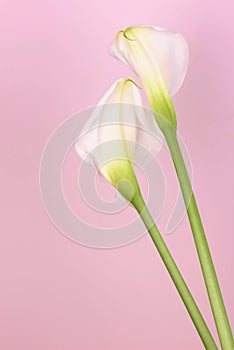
(166, 51)
(117, 124)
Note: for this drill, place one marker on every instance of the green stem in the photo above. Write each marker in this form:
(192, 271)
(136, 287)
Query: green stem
(175, 274)
(208, 269)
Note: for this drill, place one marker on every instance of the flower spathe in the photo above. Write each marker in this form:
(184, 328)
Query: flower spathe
(109, 137)
(159, 58)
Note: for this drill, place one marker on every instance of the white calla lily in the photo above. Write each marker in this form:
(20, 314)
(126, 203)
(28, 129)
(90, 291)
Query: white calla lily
(108, 139)
(160, 60)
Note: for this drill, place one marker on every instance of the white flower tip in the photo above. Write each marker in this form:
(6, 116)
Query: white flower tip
(130, 80)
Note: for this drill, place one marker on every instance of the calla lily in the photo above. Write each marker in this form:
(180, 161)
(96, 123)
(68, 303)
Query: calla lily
(160, 60)
(109, 137)
(108, 141)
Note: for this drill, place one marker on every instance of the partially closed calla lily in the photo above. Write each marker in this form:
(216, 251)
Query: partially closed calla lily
(160, 60)
(109, 137)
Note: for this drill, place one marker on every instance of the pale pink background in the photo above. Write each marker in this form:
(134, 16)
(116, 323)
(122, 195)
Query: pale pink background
(54, 293)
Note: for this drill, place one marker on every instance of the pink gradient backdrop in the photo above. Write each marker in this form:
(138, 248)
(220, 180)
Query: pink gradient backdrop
(54, 293)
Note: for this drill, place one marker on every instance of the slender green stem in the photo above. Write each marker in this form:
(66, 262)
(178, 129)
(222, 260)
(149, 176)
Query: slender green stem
(208, 269)
(175, 274)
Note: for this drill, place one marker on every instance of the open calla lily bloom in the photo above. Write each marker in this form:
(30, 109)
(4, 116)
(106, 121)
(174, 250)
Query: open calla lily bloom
(160, 60)
(109, 137)
(119, 124)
